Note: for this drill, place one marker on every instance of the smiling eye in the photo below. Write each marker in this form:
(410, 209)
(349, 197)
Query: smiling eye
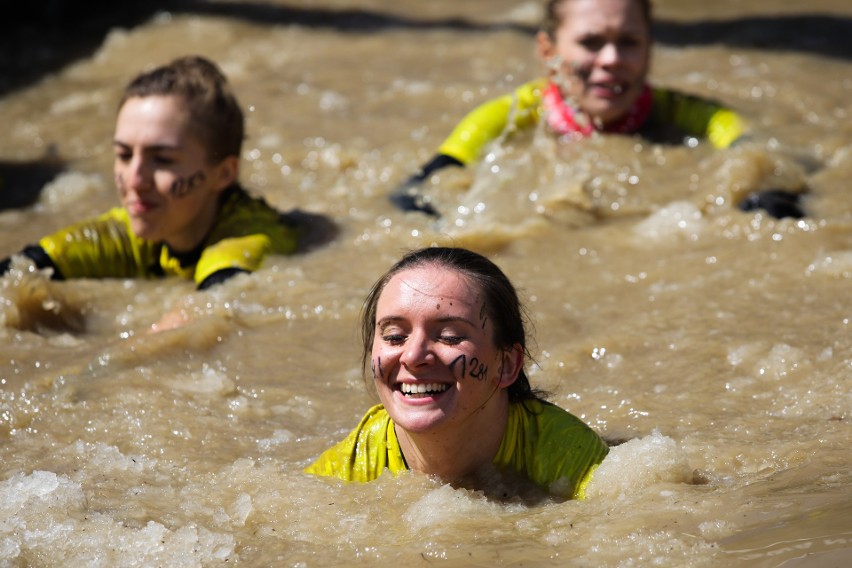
(393, 338)
(629, 42)
(592, 43)
(452, 339)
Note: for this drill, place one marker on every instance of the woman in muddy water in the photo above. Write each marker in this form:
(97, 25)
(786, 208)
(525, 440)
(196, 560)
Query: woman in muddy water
(177, 143)
(444, 334)
(597, 54)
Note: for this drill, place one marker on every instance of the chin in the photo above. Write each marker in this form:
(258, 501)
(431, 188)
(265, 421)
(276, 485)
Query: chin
(144, 231)
(416, 422)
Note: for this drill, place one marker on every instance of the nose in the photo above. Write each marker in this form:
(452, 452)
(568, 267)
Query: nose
(137, 173)
(417, 351)
(609, 55)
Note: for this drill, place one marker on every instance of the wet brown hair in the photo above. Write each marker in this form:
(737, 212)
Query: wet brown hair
(501, 303)
(216, 118)
(553, 15)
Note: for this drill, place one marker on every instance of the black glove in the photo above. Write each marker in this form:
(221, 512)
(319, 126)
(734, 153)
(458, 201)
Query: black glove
(38, 256)
(408, 196)
(777, 202)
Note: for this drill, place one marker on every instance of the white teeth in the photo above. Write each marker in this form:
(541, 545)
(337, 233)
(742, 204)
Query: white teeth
(422, 388)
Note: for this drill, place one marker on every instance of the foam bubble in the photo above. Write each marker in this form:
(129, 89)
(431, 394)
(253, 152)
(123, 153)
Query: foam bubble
(677, 220)
(439, 507)
(838, 263)
(638, 464)
(69, 188)
(44, 515)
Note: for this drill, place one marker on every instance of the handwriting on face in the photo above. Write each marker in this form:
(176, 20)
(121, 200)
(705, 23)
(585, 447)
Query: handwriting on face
(475, 370)
(376, 368)
(460, 367)
(183, 186)
(432, 326)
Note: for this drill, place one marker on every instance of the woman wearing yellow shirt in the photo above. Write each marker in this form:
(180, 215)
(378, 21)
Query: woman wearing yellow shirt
(597, 54)
(444, 336)
(177, 143)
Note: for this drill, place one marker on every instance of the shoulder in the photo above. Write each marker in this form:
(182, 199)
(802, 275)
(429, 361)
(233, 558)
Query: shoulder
(676, 115)
(238, 202)
(549, 419)
(531, 91)
(111, 226)
(363, 454)
(243, 215)
(550, 446)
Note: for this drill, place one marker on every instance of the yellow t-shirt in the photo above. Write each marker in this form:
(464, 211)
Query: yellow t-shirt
(246, 230)
(672, 113)
(542, 442)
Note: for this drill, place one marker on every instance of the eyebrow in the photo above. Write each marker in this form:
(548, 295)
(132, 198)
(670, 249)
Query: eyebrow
(154, 148)
(387, 320)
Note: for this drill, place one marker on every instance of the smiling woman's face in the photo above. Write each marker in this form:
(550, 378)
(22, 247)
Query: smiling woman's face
(603, 50)
(433, 359)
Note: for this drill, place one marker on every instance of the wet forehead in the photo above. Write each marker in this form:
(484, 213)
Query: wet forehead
(433, 290)
(153, 121)
(588, 17)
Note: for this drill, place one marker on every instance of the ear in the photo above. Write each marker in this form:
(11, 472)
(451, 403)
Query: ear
(226, 173)
(513, 362)
(545, 48)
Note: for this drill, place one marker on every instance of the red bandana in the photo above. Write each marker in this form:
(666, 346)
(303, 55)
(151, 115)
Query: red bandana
(563, 119)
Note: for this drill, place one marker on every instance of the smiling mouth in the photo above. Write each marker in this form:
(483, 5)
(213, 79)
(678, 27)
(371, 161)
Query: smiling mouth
(139, 207)
(416, 390)
(614, 88)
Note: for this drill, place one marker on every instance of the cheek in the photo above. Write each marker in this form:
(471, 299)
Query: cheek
(638, 59)
(575, 59)
(376, 368)
(381, 357)
(183, 186)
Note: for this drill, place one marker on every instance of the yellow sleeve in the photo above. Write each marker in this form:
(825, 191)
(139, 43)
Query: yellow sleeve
(366, 452)
(698, 117)
(246, 231)
(245, 253)
(551, 447)
(103, 247)
(580, 492)
(724, 127)
(488, 121)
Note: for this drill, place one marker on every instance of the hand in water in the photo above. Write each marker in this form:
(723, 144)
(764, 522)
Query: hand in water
(407, 197)
(777, 202)
(171, 320)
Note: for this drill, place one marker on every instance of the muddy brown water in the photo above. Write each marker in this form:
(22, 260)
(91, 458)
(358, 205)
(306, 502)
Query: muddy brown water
(717, 343)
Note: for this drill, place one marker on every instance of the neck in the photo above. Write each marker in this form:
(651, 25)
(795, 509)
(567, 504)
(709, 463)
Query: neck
(460, 449)
(563, 119)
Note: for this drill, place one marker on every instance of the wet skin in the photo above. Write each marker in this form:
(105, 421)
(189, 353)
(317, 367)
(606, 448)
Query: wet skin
(436, 368)
(600, 56)
(163, 176)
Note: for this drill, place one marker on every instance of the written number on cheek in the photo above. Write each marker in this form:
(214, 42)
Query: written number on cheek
(182, 187)
(376, 368)
(478, 370)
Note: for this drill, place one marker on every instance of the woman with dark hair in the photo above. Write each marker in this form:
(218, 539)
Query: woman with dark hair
(444, 334)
